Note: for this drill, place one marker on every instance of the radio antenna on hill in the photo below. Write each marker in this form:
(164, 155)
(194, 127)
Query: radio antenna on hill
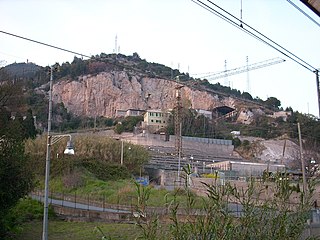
(115, 50)
(226, 76)
(248, 79)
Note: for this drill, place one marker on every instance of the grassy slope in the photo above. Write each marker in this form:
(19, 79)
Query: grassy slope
(60, 230)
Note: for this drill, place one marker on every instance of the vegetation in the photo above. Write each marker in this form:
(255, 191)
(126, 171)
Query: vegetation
(279, 219)
(96, 170)
(24, 211)
(62, 230)
(197, 125)
(127, 124)
(16, 176)
(99, 155)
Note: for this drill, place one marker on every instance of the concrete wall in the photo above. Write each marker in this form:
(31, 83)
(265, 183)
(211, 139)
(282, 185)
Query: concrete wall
(73, 214)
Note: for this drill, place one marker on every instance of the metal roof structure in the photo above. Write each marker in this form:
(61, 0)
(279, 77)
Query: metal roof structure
(314, 5)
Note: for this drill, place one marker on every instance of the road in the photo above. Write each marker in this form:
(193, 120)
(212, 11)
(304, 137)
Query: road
(76, 205)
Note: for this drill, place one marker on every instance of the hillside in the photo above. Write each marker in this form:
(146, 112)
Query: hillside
(88, 92)
(106, 84)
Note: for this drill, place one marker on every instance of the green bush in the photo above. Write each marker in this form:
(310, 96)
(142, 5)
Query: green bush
(236, 142)
(26, 210)
(106, 171)
(119, 128)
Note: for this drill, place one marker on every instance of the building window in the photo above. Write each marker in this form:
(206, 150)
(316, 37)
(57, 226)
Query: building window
(151, 120)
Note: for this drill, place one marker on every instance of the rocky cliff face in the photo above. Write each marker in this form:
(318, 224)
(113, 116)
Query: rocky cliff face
(106, 92)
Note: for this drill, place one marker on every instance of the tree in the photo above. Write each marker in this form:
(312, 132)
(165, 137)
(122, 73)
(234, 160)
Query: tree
(273, 102)
(15, 171)
(29, 129)
(246, 95)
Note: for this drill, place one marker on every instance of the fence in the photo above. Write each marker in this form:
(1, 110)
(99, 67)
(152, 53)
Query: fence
(99, 203)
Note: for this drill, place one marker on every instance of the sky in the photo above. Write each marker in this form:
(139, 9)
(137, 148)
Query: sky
(179, 34)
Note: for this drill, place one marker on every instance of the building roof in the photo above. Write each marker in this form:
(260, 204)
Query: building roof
(245, 163)
(314, 5)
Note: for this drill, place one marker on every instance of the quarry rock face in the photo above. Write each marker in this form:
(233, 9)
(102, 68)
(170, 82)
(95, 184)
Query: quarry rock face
(105, 93)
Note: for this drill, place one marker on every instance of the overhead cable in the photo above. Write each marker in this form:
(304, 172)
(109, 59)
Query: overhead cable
(45, 44)
(254, 33)
(258, 32)
(304, 13)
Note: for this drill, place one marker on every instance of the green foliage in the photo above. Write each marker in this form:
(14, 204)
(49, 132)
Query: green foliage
(273, 103)
(99, 154)
(67, 230)
(263, 204)
(24, 211)
(236, 142)
(246, 95)
(28, 127)
(148, 225)
(195, 125)
(15, 170)
(104, 236)
(119, 128)
(105, 171)
(128, 124)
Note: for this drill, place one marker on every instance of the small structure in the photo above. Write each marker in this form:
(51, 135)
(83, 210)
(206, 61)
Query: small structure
(121, 113)
(155, 120)
(207, 114)
(281, 114)
(134, 112)
(244, 169)
(129, 112)
(235, 133)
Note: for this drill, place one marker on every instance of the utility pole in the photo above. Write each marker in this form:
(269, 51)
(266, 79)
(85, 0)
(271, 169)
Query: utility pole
(121, 157)
(48, 155)
(318, 90)
(283, 150)
(302, 165)
(178, 125)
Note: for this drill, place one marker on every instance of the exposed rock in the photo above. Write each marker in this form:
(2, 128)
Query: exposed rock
(104, 93)
(281, 151)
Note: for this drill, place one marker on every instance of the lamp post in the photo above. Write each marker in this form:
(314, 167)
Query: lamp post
(122, 150)
(51, 139)
(191, 160)
(211, 166)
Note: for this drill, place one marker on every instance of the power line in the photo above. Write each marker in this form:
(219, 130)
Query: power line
(271, 43)
(45, 44)
(304, 13)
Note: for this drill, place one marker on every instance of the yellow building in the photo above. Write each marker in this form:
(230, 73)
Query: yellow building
(155, 120)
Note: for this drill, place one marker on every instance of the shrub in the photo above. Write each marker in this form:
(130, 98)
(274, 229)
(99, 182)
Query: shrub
(236, 142)
(106, 171)
(26, 209)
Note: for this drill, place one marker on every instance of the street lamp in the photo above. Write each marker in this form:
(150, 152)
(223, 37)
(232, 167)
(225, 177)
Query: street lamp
(51, 139)
(212, 166)
(191, 161)
(121, 160)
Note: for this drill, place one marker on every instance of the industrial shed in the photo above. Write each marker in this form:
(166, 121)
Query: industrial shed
(241, 168)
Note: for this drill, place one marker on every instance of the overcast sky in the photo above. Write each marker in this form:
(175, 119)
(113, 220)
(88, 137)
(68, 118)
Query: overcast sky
(176, 33)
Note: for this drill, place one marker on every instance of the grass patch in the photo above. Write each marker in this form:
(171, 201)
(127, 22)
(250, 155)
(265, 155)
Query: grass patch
(121, 191)
(61, 230)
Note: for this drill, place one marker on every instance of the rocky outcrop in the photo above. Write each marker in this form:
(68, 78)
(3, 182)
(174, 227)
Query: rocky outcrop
(106, 92)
